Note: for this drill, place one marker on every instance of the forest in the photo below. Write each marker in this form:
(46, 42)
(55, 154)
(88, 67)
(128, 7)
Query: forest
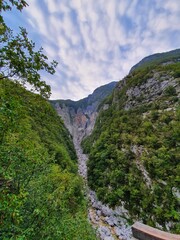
(41, 193)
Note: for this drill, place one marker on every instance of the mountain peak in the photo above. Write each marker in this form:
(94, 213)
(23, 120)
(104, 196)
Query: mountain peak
(157, 58)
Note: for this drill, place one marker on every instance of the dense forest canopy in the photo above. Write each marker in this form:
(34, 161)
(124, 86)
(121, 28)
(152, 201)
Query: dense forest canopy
(41, 193)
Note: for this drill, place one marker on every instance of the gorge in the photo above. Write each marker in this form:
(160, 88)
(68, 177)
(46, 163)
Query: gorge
(117, 167)
(104, 167)
(79, 118)
(154, 80)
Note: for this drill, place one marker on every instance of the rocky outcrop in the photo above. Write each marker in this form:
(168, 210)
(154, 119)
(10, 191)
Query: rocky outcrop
(153, 87)
(138, 150)
(150, 90)
(80, 116)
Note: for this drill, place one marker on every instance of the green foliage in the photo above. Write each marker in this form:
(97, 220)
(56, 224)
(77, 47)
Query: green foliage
(18, 57)
(177, 74)
(170, 91)
(158, 59)
(20, 60)
(124, 142)
(7, 5)
(41, 194)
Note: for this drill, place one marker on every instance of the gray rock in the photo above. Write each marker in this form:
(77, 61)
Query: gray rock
(108, 238)
(104, 232)
(106, 211)
(109, 221)
(118, 231)
(96, 205)
(98, 212)
(112, 221)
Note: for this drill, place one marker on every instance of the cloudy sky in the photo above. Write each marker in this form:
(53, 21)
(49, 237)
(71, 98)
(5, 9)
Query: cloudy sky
(97, 41)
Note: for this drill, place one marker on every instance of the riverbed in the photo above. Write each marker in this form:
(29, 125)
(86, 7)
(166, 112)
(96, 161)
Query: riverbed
(111, 224)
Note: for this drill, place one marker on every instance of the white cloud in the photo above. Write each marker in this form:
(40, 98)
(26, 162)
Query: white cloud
(172, 6)
(37, 17)
(123, 6)
(97, 42)
(52, 6)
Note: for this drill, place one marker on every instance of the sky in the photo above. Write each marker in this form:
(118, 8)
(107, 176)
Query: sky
(97, 41)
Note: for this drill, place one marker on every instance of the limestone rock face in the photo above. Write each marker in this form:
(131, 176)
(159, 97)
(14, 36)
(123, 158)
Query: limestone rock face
(79, 123)
(150, 90)
(80, 116)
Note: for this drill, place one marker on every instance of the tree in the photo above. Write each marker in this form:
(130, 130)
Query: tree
(6, 5)
(19, 59)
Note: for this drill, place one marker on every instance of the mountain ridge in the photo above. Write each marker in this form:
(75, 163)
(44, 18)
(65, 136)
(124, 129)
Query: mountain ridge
(97, 94)
(157, 58)
(132, 146)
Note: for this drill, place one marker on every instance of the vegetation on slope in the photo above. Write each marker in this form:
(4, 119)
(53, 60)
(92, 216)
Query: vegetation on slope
(156, 59)
(41, 194)
(134, 153)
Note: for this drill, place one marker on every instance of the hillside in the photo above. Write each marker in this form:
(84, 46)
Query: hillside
(158, 58)
(41, 193)
(134, 147)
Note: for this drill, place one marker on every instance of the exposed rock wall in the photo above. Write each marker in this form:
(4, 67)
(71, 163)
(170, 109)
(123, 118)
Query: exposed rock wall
(80, 123)
(80, 116)
(150, 90)
(110, 223)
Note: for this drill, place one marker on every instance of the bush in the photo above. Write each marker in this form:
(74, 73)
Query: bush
(170, 91)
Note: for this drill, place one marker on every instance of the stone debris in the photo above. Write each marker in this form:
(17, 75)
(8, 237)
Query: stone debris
(110, 223)
(105, 233)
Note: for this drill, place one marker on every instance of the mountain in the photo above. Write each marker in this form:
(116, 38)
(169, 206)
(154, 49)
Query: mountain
(158, 58)
(41, 193)
(134, 146)
(79, 116)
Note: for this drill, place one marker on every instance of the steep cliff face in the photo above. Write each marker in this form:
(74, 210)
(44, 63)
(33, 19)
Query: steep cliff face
(80, 116)
(151, 86)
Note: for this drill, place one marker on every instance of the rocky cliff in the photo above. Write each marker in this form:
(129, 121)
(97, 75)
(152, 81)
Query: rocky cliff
(80, 116)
